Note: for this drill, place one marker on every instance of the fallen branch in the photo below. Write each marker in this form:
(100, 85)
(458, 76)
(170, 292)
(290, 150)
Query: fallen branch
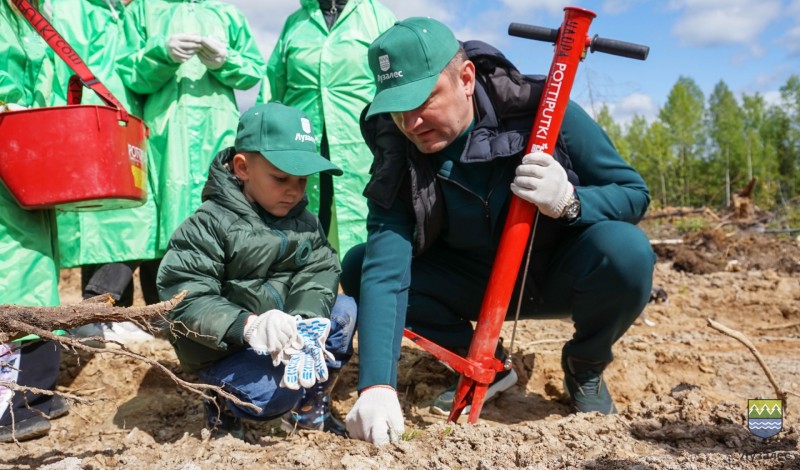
(782, 394)
(17, 320)
(123, 351)
(780, 327)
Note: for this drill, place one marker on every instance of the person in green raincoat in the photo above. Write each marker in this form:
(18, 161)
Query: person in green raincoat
(187, 57)
(28, 251)
(319, 65)
(108, 245)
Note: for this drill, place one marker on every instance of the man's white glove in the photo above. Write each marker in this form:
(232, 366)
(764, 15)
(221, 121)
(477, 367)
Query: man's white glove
(307, 366)
(376, 417)
(272, 333)
(542, 181)
(212, 53)
(6, 107)
(182, 46)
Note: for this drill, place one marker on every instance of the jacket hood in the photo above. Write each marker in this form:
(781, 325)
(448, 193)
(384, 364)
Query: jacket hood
(223, 187)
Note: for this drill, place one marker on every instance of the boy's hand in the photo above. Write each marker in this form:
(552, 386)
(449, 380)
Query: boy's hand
(307, 366)
(271, 332)
(376, 417)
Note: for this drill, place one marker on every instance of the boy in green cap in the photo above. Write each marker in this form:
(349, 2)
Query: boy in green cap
(259, 319)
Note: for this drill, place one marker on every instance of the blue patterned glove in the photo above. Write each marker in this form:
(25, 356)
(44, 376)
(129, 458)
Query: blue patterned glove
(307, 366)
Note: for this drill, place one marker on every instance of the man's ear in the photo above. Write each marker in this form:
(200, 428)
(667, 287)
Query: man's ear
(467, 77)
(240, 168)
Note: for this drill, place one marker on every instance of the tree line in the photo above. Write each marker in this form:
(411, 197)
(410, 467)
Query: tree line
(698, 151)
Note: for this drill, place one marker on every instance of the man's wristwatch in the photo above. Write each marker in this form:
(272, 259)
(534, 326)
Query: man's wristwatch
(573, 208)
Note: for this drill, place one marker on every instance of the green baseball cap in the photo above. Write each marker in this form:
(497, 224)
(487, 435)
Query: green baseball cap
(283, 135)
(406, 61)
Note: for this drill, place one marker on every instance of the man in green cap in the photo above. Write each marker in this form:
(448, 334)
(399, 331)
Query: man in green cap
(262, 280)
(448, 129)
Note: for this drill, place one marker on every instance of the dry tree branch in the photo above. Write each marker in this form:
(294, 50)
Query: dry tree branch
(16, 321)
(782, 394)
(780, 327)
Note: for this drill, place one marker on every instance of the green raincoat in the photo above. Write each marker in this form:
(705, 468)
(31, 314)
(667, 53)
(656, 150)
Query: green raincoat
(94, 29)
(27, 238)
(191, 110)
(325, 73)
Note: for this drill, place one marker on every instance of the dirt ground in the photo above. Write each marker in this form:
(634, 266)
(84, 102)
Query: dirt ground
(681, 388)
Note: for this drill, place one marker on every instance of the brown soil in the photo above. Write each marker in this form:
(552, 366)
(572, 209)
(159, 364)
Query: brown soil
(681, 388)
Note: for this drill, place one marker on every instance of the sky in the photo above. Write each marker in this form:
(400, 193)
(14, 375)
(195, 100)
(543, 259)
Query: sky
(754, 47)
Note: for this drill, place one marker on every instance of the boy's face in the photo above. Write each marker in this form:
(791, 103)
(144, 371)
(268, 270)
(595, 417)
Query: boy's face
(275, 191)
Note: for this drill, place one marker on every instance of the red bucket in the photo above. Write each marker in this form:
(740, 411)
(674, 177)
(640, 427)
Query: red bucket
(73, 158)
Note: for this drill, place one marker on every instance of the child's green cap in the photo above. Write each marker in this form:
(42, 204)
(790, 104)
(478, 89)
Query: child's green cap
(283, 135)
(406, 61)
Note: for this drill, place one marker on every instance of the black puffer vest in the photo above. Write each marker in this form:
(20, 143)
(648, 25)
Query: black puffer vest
(505, 104)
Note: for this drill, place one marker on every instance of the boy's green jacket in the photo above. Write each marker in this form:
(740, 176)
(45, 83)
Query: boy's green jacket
(236, 260)
(325, 73)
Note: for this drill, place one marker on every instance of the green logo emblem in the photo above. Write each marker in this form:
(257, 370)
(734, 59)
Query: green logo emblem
(765, 417)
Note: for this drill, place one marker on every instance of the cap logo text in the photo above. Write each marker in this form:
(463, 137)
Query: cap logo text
(387, 76)
(304, 138)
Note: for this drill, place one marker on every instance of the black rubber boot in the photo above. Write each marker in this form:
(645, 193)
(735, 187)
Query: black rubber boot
(313, 411)
(219, 420)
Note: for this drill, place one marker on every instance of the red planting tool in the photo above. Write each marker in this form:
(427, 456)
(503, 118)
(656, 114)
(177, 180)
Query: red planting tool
(478, 369)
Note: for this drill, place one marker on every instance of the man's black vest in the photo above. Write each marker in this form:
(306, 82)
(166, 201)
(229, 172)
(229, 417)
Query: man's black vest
(505, 102)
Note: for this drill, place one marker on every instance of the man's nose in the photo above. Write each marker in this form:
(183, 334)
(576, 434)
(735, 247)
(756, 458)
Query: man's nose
(410, 119)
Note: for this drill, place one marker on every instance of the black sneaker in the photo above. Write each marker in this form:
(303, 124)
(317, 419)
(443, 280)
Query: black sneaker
(583, 382)
(32, 428)
(220, 421)
(502, 382)
(313, 411)
(59, 407)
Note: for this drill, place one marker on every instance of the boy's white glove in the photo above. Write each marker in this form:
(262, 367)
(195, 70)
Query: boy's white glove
(271, 333)
(307, 366)
(376, 417)
(182, 46)
(542, 181)
(212, 53)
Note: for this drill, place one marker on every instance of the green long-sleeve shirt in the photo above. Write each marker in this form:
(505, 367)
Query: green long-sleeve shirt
(609, 189)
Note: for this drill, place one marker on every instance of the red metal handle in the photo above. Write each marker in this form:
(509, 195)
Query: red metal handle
(70, 57)
(570, 49)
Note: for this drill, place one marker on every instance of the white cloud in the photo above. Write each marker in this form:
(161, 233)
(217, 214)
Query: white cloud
(624, 110)
(549, 6)
(618, 6)
(632, 105)
(716, 22)
(773, 98)
(438, 9)
(792, 40)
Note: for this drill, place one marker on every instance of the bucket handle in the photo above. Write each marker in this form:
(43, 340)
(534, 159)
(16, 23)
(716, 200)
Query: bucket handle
(71, 58)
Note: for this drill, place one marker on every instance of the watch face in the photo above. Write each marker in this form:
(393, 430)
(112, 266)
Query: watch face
(573, 208)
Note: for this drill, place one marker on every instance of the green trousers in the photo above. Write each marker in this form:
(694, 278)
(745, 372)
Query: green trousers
(599, 276)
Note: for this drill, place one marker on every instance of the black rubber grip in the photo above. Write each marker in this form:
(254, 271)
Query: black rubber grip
(597, 44)
(620, 48)
(537, 33)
